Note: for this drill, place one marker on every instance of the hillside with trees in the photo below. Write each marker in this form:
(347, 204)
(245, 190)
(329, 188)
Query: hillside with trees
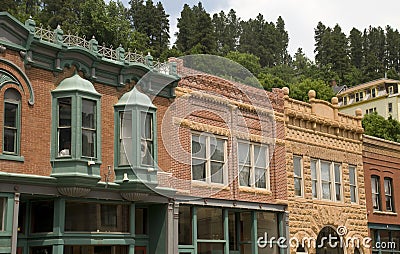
(258, 44)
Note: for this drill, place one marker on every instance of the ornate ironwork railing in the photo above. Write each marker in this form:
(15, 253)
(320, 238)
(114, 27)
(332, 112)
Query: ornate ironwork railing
(57, 36)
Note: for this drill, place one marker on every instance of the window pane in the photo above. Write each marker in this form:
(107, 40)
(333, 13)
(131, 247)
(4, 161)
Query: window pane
(95, 249)
(42, 213)
(64, 112)
(244, 153)
(246, 223)
(198, 146)
(260, 156)
(210, 248)
(125, 151)
(297, 187)
(388, 187)
(325, 171)
(12, 94)
(314, 189)
(374, 184)
(41, 250)
(338, 192)
(337, 173)
(352, 173)
(244, 176)
(126, 124)
(147, 125)
(326, 190)
(2, 213)
(10, 114)
(217, 172)
(313, 169)
(233, 231)
(217, 149)
(185, 225)
(147, 152)
(198, 170)
(297, 166)
(209, 223)
(260, 178)
(267, 222)
(141, 221)
(64, 141)
(94, 217)
(88, 143)
(353, 194)
(10, 140)
(88, 114)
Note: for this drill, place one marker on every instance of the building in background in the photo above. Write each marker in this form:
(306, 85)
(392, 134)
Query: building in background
(324, 164)
(381, 164)
(381, 96)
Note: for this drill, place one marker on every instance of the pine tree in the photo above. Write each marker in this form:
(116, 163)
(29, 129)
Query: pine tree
(392, 49)
(356, 48)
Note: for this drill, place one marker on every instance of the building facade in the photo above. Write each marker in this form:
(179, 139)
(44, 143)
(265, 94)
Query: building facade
(381, 96)
(381, 165)
(106, 151)
(326, 192)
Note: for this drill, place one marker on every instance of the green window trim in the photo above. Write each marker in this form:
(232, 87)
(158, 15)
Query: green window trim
(12, 125)
(72, 148)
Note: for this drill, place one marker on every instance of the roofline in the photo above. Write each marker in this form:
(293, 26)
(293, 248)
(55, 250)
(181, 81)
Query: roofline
(365, 85)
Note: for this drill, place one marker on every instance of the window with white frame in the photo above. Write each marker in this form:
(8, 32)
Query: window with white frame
(2, 212)
(388, 194)
(345, 100)
(373, 92)
(208, 158)
(390, 90)
(326, 180)
(298, 175)
(359, 96)
(253, 165)
(353, 184)
(390, 107)
(375, 189)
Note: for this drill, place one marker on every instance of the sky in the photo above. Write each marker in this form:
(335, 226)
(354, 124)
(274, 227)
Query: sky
(300, 16)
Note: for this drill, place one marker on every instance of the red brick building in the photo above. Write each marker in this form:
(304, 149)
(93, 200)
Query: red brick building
(381, 160)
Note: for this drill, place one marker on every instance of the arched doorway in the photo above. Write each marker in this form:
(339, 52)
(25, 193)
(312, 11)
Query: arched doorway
(326, 246)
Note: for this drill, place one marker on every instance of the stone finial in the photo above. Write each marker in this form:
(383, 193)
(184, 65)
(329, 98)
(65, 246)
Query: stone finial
(58, 35)
(312, 94)
(285, 91)
(358, 112)
(94, 45)
(149, 60)
(120, 53)
(335, 101)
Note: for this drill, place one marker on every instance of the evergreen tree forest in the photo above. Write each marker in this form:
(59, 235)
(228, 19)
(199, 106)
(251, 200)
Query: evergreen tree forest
(258, 44)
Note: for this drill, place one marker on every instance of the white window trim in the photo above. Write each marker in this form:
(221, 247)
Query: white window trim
(301, 177)
(355, 184)
(208, 159)
(332, 181)
(252, 165)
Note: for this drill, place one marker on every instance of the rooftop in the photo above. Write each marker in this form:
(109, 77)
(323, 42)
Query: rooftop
(369, 84)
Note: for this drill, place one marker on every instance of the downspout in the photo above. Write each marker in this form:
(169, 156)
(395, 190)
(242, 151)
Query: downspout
(14, 236)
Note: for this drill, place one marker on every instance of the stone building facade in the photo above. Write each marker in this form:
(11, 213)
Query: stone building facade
(381, 165)
(326, 192)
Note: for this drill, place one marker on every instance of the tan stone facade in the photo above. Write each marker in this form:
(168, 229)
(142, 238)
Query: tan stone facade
(316, 131)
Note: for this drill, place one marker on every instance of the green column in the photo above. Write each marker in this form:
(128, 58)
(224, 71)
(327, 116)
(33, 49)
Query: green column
(226, 231)
(254, 247)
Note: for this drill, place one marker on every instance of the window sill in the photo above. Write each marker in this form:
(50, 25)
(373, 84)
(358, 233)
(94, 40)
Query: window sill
(385, 213)
(209, 185)
(255, 190)
(329, 202)
(12, 157)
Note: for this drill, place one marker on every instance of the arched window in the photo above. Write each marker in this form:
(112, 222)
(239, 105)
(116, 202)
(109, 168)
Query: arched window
(328, 247)
(12, 122)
